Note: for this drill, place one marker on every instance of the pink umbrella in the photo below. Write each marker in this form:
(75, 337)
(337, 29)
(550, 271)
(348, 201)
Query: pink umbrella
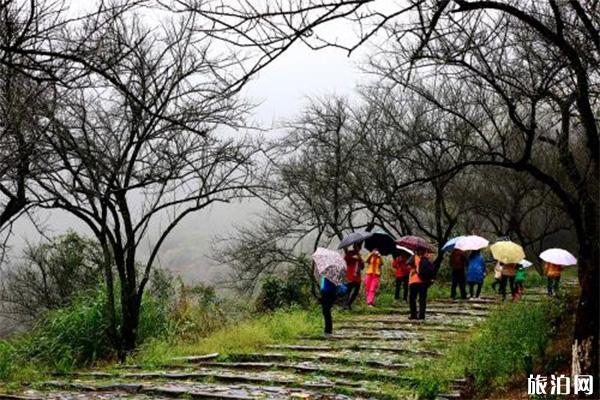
(330, 264)
(471, 242)
(558, 257)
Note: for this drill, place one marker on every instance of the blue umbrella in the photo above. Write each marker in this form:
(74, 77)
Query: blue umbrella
(450, 243)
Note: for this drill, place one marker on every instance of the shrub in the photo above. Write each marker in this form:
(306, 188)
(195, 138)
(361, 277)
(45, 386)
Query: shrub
(197, 311)
(291, 289)
(76, 335)
(508, 345)
(69, 337)
(51, 276)
(508, 342)
(7, 360)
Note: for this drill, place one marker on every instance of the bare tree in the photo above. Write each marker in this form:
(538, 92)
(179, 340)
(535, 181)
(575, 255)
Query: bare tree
(43, 47)
(510, 204)
(26, 103)
(525, 59)
(306, 194)
(513, 105)
(403, 138)
(131, 172)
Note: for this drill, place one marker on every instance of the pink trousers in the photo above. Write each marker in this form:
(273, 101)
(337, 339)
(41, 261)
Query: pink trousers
(371, 285)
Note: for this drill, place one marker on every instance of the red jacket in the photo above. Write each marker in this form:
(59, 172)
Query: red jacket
(354, 265)
(401, 267)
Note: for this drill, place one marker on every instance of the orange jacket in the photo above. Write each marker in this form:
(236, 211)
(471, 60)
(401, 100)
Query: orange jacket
(414, 276)
(552, 270)
(374, 262)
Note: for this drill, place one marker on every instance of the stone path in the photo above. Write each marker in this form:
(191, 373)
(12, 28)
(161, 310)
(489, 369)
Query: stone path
(370, 356)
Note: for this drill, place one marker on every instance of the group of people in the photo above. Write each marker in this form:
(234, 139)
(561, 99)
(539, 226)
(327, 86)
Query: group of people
(408, 275)
(414, 272)
(469, 269)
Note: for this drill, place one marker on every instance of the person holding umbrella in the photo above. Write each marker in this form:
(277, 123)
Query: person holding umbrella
(328, 297)
(331, 268)
(421, 276)
(355, 265)
(475, 263)
(555, 259)
(373, 272)
(497, 276)
(475, 273)
(458, 261)
(508, 254)
(509, 272)
(553, 273)
(380, 243)
(520, 276)
(400, 264)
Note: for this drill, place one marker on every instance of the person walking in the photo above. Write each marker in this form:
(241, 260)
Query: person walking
(372, 273)
(328, 296)
(552, 272)
(475, 273)
(520, 281)
(508, 277)
(355, 265)
(421, 275)
(497, 277)
(402, 271)
(458, 262)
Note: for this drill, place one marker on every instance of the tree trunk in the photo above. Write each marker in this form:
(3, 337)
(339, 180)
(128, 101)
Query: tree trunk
(585, 348)
(131, 317)
(110, 298)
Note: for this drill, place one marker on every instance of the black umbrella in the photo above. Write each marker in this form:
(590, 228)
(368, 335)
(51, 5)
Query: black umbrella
(382, 241)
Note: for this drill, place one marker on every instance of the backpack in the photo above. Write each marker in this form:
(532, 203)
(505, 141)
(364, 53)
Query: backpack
(426, 270)
(341, 289)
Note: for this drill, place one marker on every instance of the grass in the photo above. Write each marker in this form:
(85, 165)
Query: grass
(504, 349)
(241, 337)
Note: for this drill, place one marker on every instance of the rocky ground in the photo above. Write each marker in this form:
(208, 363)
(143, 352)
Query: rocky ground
(369, 356)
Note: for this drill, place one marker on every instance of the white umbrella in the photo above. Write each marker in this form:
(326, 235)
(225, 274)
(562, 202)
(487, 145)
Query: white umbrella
(471, 242)
(525, 264)
(405, 249)
(558, 257)
(330, 264)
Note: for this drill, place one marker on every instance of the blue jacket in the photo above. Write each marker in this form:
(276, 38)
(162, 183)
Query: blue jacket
(327, 286)
(476, 268)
